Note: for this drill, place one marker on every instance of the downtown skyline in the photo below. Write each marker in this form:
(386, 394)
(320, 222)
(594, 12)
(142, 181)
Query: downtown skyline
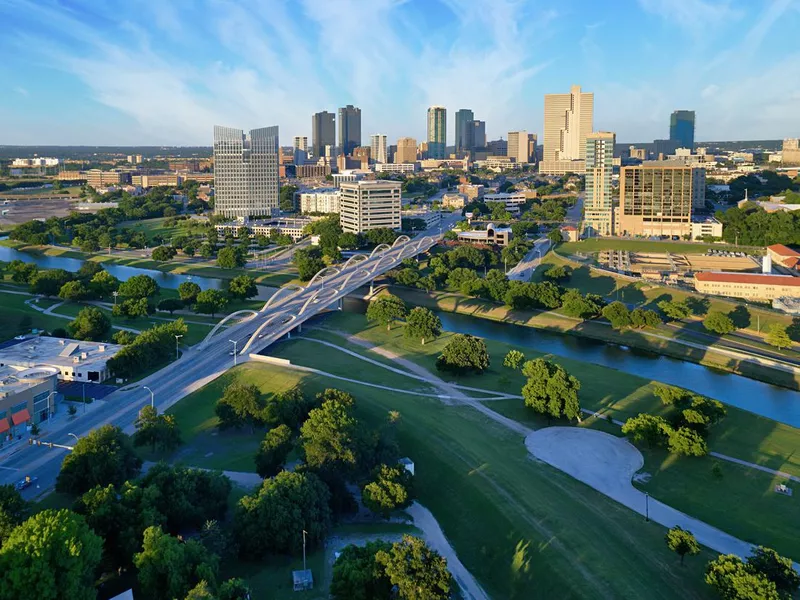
(155, 75)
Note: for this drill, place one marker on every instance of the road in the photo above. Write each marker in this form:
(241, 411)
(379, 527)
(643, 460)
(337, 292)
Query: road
(523, 270)
(207, 361)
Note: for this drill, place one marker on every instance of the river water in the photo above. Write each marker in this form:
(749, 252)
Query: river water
(777, 403)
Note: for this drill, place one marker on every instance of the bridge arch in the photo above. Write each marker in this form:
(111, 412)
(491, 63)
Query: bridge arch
(429, 240)
(282, 295)
(315, 296)
(356, 258)
(379, 248)
(356, 272)
(261, 328)
(401, 239)
(381, 261)
(217, 327)
(319, 274)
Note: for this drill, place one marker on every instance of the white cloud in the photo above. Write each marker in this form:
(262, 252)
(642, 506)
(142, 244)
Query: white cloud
(709, 91)
(696, 16)
(21, 91)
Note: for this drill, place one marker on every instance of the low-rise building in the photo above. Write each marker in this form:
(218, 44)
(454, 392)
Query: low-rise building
(784, 256)
(432, 218)
(162, 179)
(411, 167)
(33, 163)
(497, 163)
(348, 176)
(366, 205)
(321, 200)
(98, 178)
(309, 171)
(751, 286)
(492, 234)
(27, 395)
(472, 191)
(293, 227)
(453, 201)
(569, 233)
(74, 360)
(788, 305)
(703, 226)
(513, 200)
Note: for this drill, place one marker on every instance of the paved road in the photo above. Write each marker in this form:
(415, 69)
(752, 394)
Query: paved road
(205, 362)
(523, 270)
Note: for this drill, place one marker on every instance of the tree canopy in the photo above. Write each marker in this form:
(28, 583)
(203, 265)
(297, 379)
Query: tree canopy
(273, 451)
(357, 574)
(422, 324)
(90, 324)
(139, 286)
(418, 572)
(462, 354)
(719, 323)
(384, 310)
(550, 390)
(390, 489)
(682, 542)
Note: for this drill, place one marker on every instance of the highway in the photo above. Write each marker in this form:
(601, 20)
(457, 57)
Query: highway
(206, 361)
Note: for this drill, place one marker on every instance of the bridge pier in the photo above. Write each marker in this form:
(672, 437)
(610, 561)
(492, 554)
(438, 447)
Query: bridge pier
(371, 287)
(340, 304)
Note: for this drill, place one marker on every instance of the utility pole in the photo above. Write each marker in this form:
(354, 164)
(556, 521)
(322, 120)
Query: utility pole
(234, 342)
(177, 354)
(304, 549)
(647, 507)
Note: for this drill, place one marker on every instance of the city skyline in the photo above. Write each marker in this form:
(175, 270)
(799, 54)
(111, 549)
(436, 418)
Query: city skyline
(149, 75)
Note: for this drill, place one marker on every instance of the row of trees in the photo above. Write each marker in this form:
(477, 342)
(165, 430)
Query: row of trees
(148, 350)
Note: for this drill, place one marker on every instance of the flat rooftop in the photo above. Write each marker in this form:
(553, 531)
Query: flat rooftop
(14, 380)
(751, 278)
(44, 350)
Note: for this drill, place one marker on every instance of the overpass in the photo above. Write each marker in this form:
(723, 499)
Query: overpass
(286, 310)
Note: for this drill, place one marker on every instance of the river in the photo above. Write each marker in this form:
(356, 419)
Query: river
(777, 403)
(122, 272)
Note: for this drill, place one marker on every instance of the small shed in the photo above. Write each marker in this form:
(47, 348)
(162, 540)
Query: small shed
(303, 580)
(408, 464)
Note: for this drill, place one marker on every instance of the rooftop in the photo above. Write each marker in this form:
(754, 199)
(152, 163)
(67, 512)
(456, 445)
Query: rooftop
(58, 352)
(13, 380)
(752, 278)
(783, 250)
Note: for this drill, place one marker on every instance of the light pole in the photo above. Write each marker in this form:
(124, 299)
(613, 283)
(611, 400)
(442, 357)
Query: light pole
(152, 396)
(77, 439)
(234, 342)
(115, 293)
(177, 337)
(49, 412)
(647, 507)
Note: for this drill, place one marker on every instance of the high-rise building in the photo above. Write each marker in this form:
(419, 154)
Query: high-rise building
(300, 142)
(323, 132)
(598, 206)
(349, 128)
(246, 171)
(681, 128)
(378, 148)
(362, 155)
(406, 150)
(533, 141)
(497, 147)
(437, 131)
(568, 119)
(475, 136)
(519, 146)
(657, 198)
(463, 117)
(790, 153)
(365, 205)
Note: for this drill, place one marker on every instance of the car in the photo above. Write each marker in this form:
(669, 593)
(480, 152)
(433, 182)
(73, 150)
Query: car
(260, 335)
(19, 337)
(25, 483)
(231, 353)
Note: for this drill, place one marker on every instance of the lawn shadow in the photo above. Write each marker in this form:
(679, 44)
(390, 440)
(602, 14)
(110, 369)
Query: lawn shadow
(698, 306)
(740, 317)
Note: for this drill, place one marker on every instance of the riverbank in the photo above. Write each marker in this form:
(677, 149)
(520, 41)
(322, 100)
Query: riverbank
(550, 321)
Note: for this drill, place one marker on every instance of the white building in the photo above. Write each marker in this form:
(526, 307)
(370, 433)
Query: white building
(300, 143)
(702, 226)
(286, 226)
(322, 200)
(397, 167)
(378, 147)
(74, 360)
(348, 176)
(366, 205)
(568, 119)
(32, 163)
(518, 146)
(513, 200)
(432, 218)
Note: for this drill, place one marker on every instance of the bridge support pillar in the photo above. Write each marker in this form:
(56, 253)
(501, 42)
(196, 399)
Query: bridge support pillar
(371, 287)
(300, 328)
(340, 304)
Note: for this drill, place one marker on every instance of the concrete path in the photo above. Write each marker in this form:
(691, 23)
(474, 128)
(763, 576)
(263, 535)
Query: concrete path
(49, 311)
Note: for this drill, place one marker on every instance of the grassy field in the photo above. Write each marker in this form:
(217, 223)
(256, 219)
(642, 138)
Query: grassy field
(157, 226)
(599, 244)
(15, 313)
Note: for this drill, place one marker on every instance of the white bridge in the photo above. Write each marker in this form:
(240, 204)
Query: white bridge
(293, 304)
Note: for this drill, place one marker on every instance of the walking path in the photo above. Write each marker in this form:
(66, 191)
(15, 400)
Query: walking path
(49, 311)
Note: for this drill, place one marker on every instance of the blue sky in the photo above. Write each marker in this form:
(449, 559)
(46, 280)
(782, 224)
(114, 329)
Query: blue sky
(166, 71)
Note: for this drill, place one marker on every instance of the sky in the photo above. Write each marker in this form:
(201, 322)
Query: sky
(163, 72)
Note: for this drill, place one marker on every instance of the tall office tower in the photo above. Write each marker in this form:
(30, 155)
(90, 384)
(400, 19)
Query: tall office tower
(463, 117)
(657, 198)
(323, 132)
(567, 121)
(437, 131)
(245, 171)
(349, 128)
(599, 208)
(532, 143)
(365, 205)
(378, 147)
(475, 136)
(391, 151)
(519, 146)
(301, 143)
(497, 147)
(681, 128)
(406, 150)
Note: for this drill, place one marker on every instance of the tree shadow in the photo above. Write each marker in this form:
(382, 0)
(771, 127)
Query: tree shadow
(653, 303)
(794, 330)
(740, 317)
(698, 306)
(630, 294)
(581, 277)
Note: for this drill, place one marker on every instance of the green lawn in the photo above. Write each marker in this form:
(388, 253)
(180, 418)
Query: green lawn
(599, 244)
(15, 313)
(154, 227)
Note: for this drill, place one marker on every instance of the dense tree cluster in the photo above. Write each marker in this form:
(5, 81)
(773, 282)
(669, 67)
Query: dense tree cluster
(152, 347)
(464, 354)
(550, 390)
(764, 575)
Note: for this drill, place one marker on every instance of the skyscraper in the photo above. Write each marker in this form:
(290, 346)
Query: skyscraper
(406, 150)
(463, 117)
(598, 206)
(323, 132)
(378, 147)
(245, 171)
(349, 128)
(300, 142)
(568, 119)
(437, 131)
(681, 128)
(519, 146)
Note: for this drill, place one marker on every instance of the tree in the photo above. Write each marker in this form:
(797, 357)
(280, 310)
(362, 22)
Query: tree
(574, 304)
(308, 262)
(330, 436)
(150, 348)
(649, 429)
(358, 576)
(272, 519)
(385, 310)
(422, 324)
(231, 258)
(273, 451)
(514, 359)
(777, 336)
(349, 241)
(381, 235)
(418, 572)
(687, 442)
(682, 542)
(22, 272)
(644, 318)
(462, 354)
(132, 308)
(391, 488)
(163, 253)
(187, 291)
(233, 589)
(408, 277)
(733, 580)
(557, 273)
(207, 251)
(90, 324)
(123, 337)
(201, 592)
(242, 287)
(104, 455)
(550, 390)
(778, 569)
(13, 510)
(53, 554)
(290, 407)
(210, 302)
(156, 430)
(618, 315)
(719, 323)
(170, 305)
(73, 291)
(675, 310)
(169, 567)
(49, 283)
(103, 284)
(555, 236)
(139, 286)
(241, 404)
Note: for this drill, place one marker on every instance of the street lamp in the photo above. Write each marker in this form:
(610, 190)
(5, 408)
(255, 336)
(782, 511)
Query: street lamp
(234, 342)
(49, 412)
(77, 439)
(152, 396)
(115, 293)
(177, 337)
